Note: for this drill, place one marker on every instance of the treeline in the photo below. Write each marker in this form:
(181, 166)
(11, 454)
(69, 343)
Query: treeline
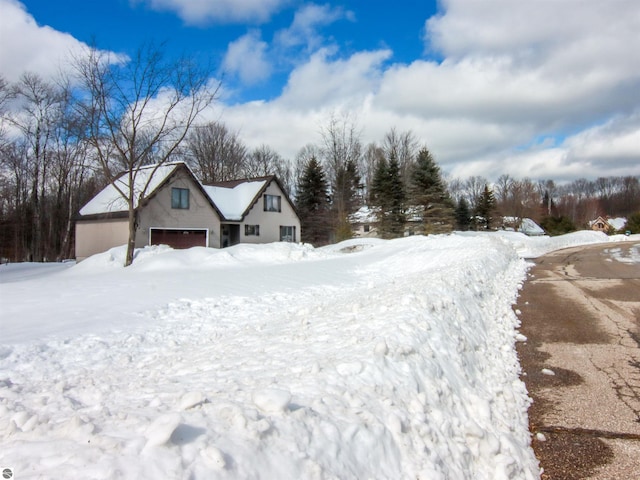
(52, 162)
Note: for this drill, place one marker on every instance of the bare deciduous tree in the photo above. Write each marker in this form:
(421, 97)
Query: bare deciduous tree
(404, 147)
(137, 110)
(342, 149)
(215, 153)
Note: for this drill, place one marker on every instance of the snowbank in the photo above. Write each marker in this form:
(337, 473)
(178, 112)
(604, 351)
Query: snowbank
(369, 359)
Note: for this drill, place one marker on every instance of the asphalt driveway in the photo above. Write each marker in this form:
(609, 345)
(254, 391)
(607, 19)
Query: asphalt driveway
(580, 311)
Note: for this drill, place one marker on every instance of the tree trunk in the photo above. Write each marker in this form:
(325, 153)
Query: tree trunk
(131, 244)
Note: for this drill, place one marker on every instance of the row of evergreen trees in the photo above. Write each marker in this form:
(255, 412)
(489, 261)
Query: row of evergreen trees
(424, 197)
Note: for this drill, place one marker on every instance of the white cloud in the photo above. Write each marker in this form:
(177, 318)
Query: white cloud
(201, 12)
(323, 81)
(22, 41)
(247, 58)
(613, 147)
(512, 74)
(306, 22)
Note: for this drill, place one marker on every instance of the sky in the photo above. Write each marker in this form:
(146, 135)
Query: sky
(547, 89)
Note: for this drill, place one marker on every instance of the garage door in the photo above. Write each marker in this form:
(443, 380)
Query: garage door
(179, 238)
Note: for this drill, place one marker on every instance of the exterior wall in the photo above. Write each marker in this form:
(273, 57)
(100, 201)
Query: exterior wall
(270, 222)
(96, 236)
(359, 230)
(159, 214)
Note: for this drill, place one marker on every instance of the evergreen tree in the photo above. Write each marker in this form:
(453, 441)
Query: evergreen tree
(428, 191)
(557, 225)
(313, 204)
(486, 208)
(633, 223)
(463, 215)
(345, 198)
(388, 195)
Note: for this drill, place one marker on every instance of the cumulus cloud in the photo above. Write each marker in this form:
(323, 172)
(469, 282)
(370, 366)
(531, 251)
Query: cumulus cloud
(202, 12)
(324, 80)
(21, 42)
(246, 57)
(613, 146)
(510, 75)
(545, 89)
(306, 22)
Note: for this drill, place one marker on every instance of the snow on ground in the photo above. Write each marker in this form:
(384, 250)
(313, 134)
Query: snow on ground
(366, 359)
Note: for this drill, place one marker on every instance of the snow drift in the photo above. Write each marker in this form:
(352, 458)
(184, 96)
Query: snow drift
(395, 360)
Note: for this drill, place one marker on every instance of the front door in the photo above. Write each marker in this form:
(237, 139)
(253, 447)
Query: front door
(229, 234)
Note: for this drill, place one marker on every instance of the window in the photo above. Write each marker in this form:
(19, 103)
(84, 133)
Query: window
(251, 230)
(272, 203)
(287, 234)
(180, 198)
(365, 228)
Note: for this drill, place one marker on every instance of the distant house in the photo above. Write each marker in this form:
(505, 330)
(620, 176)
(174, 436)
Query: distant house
(364, 222)
(522, 225)
(607, 225)
(181, 212)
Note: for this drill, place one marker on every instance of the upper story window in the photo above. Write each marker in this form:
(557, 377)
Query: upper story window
(272, 203)
(180, 198)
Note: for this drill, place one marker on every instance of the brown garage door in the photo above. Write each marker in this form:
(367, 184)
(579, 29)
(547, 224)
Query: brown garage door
(179, 238)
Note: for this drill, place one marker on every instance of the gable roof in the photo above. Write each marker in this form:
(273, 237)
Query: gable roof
(235, 198)
(231, 200)
(109, 200)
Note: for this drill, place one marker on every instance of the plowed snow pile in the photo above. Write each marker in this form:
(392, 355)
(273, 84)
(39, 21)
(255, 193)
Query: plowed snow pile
(367, 359)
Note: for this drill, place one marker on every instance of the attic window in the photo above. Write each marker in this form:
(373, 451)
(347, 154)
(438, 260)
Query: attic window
(180, 198)
(272, 203)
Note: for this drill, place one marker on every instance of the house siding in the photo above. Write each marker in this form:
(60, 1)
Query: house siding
(159, 214)
(270, 222)
(100, 235)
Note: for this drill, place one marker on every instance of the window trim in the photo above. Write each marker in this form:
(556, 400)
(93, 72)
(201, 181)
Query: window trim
(178, 198)
(268, 204)
(293, 232)
(251, 230)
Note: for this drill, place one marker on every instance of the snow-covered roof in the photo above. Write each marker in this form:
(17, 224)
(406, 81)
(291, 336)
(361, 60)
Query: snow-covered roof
(617, 223)
(364, 214)
(527, 226)
(234, 201)
(109, 200)
(530, 227)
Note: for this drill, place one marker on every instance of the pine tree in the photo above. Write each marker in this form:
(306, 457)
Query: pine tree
(463, 216)
(345, 196)
(486, 207)
(428, 191)
(313, 204)
(388, 195)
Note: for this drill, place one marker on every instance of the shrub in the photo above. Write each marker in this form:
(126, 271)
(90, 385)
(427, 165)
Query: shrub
(557, 225)
(633, 223)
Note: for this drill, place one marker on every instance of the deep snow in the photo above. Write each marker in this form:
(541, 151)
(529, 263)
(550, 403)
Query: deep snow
(367, 359)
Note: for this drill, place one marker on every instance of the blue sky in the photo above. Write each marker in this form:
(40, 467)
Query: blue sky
(544, 89)
(123, 25)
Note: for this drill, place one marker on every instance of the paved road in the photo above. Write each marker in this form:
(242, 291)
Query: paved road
(580, 310)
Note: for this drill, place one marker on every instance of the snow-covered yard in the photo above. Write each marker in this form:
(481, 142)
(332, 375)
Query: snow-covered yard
(367, 359)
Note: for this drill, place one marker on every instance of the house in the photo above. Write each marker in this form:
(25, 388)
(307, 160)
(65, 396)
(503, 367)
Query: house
(181, 212)
(364, 222)
(608, 225)
(522, 225)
